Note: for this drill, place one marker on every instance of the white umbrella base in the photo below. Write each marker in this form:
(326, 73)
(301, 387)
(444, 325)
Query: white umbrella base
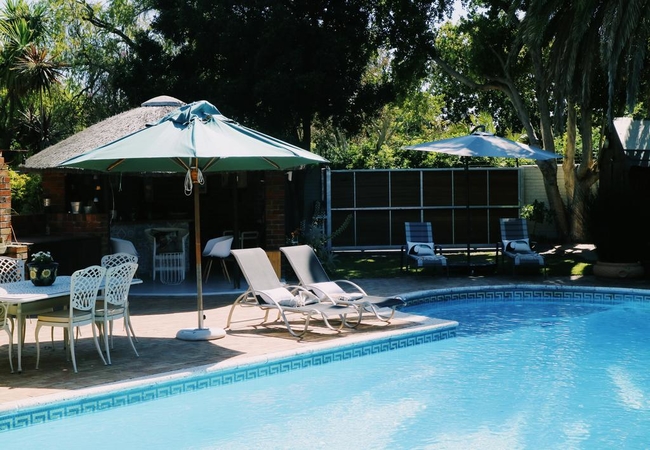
(200, 334)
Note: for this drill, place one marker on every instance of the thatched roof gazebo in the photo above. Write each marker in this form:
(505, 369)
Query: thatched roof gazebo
(79, 239)
(102, 133)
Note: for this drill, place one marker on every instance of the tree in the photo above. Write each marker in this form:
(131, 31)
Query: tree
(279, 65)
(596, 54)
(27, 73)
(521, 50)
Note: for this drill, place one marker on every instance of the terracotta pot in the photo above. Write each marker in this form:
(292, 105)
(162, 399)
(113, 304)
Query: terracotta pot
(43, 274)
(618, 270)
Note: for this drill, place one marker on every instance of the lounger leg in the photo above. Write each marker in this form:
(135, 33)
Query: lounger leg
(375, 311)
(232, 308)
(288, 325)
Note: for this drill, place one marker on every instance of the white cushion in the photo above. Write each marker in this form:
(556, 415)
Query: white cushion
(420, 248)
(285, 298)
(520, 245)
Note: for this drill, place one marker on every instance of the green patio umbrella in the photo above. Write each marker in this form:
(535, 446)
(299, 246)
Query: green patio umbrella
(194, 139)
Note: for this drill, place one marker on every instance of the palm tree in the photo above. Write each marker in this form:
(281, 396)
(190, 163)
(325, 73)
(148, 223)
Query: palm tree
(25, 65)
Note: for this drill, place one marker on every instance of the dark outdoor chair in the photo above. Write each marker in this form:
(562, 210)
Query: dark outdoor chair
(420, 250)
(516, 245)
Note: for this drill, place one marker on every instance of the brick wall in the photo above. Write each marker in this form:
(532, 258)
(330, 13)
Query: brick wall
(54, 188)
(5, 202)
(274, 185)
(14, 251)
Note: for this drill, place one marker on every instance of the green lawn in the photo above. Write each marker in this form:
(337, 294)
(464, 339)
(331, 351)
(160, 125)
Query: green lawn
(387, 264)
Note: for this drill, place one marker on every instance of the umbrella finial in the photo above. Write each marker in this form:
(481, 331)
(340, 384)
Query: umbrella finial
(477, 128)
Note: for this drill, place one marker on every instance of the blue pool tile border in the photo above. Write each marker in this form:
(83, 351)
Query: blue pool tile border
(25, 417)
(574, 294)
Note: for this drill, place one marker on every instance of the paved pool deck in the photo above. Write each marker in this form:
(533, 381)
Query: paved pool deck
(159, 311)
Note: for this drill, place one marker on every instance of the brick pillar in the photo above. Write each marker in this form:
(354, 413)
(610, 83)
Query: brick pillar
(14, 251)
(5, 202)
(274, 186)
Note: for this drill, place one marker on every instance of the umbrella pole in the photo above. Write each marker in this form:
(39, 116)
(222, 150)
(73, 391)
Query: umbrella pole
(200, 333)
(197, 253)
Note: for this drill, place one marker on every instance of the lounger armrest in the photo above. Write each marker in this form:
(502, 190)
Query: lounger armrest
(355, 286)
(437, 249)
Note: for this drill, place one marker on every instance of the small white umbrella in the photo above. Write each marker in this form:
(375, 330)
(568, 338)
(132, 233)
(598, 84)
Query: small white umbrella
(482, 144)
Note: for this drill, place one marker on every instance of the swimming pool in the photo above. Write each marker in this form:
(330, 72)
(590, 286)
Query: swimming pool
(546, 369)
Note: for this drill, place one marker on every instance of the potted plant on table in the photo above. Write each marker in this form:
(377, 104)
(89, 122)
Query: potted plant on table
(42, 269)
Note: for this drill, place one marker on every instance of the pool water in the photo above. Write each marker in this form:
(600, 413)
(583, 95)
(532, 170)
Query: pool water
(518, 375)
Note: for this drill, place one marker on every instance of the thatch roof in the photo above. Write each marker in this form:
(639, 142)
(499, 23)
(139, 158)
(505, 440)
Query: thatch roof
(102, 133)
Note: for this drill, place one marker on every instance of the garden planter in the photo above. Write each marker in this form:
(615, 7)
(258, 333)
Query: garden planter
(43, 274)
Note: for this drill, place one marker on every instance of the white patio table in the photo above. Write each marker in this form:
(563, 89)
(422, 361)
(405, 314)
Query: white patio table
(24, 299)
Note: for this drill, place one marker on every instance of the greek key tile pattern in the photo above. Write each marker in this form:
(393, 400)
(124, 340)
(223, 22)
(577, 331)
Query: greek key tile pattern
(44, 413)
(573, 294)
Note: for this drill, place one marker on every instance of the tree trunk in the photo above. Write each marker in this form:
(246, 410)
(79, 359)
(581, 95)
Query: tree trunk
(548, 168)
(556, 203)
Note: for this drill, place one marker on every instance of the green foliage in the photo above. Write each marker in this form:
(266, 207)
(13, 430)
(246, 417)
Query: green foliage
(26, 193)
(415, 118)
(312, 233)
(42, 257)
(537, 212)
(355, 265)
(276, 66)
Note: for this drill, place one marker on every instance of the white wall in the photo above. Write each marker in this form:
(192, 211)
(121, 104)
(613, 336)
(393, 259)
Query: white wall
(533, 189)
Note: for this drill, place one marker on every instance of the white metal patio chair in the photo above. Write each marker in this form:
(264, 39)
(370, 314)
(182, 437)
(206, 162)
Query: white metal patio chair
(4, 324)
(115, 304)
(84, 288)
(169, 253)
(114, 260)
(11, 269)
(117, 259)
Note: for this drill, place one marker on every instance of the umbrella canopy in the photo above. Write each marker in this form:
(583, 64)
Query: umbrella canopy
(194, 133)
(194, 139)
(482, 144)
